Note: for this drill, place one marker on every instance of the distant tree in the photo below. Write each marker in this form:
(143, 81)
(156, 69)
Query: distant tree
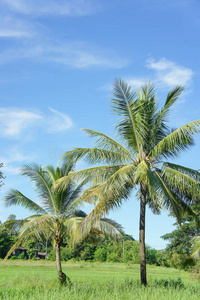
(6, 242)
(181, 240)
(13, 225)
(11, 217)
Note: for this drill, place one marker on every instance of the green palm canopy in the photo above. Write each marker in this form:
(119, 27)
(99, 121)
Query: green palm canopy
(57, 212)
(137, 160)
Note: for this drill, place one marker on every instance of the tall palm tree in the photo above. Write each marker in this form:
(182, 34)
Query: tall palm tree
(57, 213)
(137, 160)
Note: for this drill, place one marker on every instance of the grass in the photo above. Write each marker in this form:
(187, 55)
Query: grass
(38, 280)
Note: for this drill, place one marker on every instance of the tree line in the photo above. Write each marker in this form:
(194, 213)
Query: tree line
(177, 254)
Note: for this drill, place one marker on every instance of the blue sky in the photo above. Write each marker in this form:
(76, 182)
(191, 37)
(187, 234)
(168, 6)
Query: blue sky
(58, 61)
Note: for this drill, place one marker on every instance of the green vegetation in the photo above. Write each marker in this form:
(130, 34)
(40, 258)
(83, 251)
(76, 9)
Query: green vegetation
(33, 280)
(136, 161)
(92, 246)
(6, 242)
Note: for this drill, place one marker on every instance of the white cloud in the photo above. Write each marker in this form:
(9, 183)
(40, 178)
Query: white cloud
(59, 122)
(169, 73)
(77, 55)
(136, 82)
(53, 7)
(80, 55)
(13, 28)
(12, 159)
(166, 74)
(14, 121)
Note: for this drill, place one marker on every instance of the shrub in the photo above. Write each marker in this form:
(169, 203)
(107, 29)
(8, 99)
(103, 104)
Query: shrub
(100, 254)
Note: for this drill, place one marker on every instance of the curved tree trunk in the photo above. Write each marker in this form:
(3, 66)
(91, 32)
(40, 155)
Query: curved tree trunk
(61, 275)
(143, 275)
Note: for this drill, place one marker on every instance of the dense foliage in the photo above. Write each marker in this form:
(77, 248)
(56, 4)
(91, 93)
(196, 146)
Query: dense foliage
(178, 252)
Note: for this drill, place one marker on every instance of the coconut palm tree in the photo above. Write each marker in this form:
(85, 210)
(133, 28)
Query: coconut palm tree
(57, 213)
(136, 160)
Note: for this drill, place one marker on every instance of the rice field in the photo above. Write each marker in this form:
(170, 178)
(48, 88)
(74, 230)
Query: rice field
(38, 280)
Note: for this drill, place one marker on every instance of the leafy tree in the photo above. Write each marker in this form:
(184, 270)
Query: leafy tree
(136, 161)
(56, 214)
(12, 225)
(100, 254)
(181, 240)
(6, 242)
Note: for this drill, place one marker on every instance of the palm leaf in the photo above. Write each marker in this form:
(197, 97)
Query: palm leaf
(179, 140)
(43, 183)
(125, 104)
(14, 197)
(108, 143)
(186, 185)
(95, 155)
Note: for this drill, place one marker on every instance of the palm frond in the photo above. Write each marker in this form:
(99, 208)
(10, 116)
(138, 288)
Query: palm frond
(106, 142)
(148, 91)
(128, 108)
(194, 174)
(186, 185)
(90, 174)
(179, 140)
(72, 228)
(103, 206)
(70, 201)
(171, 200)
(14, 197)
(43, 183)
(96, 155)
(172, 96)
(160, 128)
(110, 228)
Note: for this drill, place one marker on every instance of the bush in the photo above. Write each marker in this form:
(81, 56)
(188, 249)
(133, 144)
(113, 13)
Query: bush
(65, 254)
(52, 255)
(114, 257)
(172, 283)
(100, 254)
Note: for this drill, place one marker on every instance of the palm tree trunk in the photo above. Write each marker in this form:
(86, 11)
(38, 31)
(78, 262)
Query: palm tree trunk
(143, 275)
(61, 275)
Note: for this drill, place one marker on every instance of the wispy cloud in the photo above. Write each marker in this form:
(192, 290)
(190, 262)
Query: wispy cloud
(14, 28)
(12, 159)
(81, 55)
(54, 7)
(136, 82)
(78, 55)
(164, 73)
(14, 121)
(59, 122)
(169, 73)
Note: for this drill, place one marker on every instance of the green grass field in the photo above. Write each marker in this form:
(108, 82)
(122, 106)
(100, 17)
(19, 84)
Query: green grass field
(38, 280)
